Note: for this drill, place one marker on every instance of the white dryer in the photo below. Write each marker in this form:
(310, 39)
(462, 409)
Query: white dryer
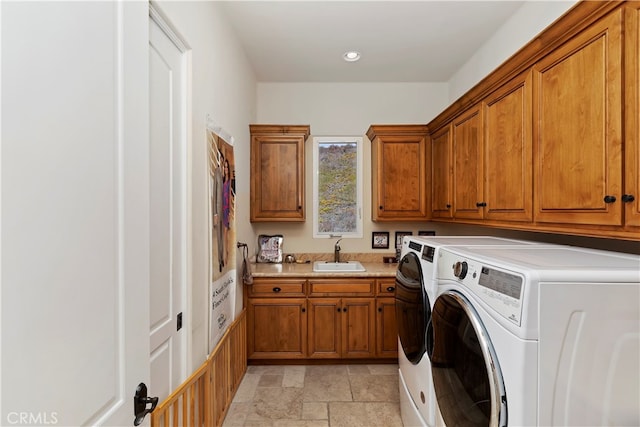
(537, 335)
(415, 294)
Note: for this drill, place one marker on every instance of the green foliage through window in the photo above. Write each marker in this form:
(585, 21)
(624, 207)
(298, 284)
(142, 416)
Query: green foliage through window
(337, 187)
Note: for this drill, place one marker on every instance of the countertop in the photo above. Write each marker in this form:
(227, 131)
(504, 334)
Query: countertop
(373, 269)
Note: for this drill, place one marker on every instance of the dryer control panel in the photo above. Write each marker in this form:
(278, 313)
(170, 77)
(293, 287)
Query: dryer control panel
(500, 289)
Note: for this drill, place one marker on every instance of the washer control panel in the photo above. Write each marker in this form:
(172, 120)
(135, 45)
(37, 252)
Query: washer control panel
(502, 290)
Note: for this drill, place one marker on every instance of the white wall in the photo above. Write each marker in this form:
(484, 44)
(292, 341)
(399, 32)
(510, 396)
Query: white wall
(223, 85)
(348, 109)
(526, 23)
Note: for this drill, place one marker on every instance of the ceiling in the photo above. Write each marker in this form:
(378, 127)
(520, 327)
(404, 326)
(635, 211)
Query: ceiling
(400, 41)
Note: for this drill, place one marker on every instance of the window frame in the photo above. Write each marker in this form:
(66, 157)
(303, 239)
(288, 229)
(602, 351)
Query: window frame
(359, 141)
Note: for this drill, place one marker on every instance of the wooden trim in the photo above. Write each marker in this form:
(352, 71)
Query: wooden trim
(396, 130)
(204, 398)
(280, 130)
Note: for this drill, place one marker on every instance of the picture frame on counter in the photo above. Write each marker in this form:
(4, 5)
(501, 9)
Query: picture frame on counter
(380, 240)
(399, 236)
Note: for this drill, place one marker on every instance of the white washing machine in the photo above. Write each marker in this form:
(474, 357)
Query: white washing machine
(537, 336)
(415, 294)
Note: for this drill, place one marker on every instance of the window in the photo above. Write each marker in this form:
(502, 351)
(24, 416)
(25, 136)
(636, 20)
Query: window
(337, 186)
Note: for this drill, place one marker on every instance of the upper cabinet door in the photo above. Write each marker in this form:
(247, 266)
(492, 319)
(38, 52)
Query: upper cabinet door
(277, 172)
(399, 172)
(578, 128)
(508, 187)
(468, 197)
(631, 196)
(441, 173)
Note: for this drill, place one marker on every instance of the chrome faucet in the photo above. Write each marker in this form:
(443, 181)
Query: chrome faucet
(336, 251)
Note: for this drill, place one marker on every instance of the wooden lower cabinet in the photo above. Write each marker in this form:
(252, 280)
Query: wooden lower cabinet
(386, 328)
(341, 328)
(277, 328)
(321, 319)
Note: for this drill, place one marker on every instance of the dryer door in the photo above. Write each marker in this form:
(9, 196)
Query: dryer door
(466, 374)
(413, 309)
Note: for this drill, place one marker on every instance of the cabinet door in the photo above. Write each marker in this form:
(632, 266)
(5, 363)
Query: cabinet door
(277, 173)
(325, 328)
(400, 175)
(358, 327)
(467, 166)
(386, 328)
(276, 328)
(441, 172)
(631, 197)
(578, 128)
(508, 158)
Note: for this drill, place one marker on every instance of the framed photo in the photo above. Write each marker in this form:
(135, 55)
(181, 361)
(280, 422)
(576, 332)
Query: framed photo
(399, 236)
(426, 233)
(380, 240)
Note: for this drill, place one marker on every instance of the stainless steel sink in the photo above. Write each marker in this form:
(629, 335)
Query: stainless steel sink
(328, 266)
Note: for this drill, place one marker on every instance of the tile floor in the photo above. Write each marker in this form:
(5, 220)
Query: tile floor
(317, 396)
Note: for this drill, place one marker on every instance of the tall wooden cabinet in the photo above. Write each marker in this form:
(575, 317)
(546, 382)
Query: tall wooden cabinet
(278, 173)
(631, 196)
(578, 128)
(468, 196)
(398, 172)
(441, 173)
(508, 186)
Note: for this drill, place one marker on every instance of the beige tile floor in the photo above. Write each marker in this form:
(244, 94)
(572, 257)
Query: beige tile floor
(317, 396)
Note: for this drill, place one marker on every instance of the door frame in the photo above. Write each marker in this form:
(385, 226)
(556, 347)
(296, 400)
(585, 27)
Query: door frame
(159, 18)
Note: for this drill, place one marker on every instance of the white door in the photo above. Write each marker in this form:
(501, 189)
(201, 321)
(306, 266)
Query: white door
(167, 97)
(75, 212)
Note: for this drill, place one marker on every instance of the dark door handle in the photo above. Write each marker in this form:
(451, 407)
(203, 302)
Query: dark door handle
(628, 198)
(609, 199)
(481, 204)
(276, 289)
(140, 402)
(391, 289)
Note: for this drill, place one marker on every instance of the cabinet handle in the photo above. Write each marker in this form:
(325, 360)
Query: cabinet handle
(338, 309)
(299, 208)
(381, 207)
(391, 289)
(481, 204)
(628, 198)
(304, 310)
(379, 309)
(448, 206)
(609, 199)
(276, 289)
(344, 310)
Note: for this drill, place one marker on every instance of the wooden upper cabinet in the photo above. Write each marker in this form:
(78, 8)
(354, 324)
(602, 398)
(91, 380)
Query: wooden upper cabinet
(631, 196)
(277, 172)
(468, 197)
(441, 173)
(508, 187)
(578, 128)
(399, 172)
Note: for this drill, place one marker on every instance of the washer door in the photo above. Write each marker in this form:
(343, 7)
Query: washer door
(466, 374)
(413, 309)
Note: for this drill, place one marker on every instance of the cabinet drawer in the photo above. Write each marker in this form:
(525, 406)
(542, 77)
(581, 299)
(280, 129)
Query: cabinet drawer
(277, 288)
(341, 287)
(386, 287)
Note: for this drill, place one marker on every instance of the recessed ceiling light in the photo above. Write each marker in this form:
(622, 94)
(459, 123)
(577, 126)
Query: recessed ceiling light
(351, 56)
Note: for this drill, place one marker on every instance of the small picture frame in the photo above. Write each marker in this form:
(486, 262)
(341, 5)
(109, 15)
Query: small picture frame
(380, 240)
(426, 233)
(399, 236)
